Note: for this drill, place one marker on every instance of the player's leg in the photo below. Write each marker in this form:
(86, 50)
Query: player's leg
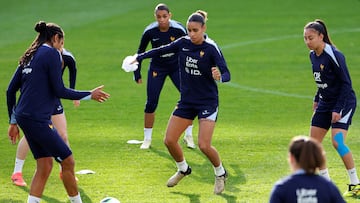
(43, 170)
(188, 138)
(320, 124)
(59, 122)
(175, 128)
(207, 123)
(338, 134)
(155, 84)
(21, 152)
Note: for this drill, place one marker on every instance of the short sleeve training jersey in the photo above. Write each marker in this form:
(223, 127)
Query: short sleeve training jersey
(41, 85)
(332, 79)
(197, 85)
(158, 38)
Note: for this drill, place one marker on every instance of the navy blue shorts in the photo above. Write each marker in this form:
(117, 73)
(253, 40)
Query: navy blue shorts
(43, 139)
(58, 108)
(323, 119)
(189, 111)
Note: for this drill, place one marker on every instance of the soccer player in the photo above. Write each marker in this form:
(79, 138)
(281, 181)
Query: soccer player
(58, 118)
(197, 55)
(40, 80)
(161, 32)
(335, 101)
(304, 185)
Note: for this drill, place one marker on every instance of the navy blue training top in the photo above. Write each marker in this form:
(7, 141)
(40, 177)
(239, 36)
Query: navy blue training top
(332, 79)
(158, 38)
(197, 86)
(69, 61)
(40, 83)
(305, 188)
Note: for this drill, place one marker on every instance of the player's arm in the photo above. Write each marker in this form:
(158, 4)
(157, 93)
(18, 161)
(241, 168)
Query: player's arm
(345, 89)
(144, 42)
(224, 74)
(13, 87)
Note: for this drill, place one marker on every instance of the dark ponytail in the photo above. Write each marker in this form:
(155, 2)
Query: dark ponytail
(308, 153)
(46, 32)
(320, 26)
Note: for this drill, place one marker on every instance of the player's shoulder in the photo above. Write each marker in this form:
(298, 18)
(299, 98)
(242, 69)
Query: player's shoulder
(66, 52)
(177, 25)
(151, 26)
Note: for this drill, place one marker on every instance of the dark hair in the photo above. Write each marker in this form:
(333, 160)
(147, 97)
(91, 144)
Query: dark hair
(199, 16)
(320, 27)
(308, 153)
(46, 32)
(162, 7)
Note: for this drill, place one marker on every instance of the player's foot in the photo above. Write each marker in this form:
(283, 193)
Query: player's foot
(353, 191)
(18, 180)
(188, 139)
(60, 176)
(175, 179)
(219, 186)
(146, 144)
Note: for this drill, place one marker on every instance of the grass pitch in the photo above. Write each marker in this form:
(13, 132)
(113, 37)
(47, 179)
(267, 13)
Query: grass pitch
(267, 102)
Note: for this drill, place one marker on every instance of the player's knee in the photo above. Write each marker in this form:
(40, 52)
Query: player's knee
(68, 163)
(341, 148)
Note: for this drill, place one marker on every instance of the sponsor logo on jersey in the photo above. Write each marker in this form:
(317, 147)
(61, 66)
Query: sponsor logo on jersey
(155, 39)
(185, 49)
(191, 66)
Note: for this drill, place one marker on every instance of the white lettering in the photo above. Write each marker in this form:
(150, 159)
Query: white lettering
(317, 76)
(191, 66)
(26, 70)
(322, 86)
(306, 195)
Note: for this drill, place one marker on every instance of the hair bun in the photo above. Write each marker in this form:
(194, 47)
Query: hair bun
(40, 27)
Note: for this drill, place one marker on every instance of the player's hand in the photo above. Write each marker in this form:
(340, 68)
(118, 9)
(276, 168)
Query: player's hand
(99, 95)
(216, 73)
(335, 117)
(139, 81)
(315, 105)
(76, 103)
(13, 133)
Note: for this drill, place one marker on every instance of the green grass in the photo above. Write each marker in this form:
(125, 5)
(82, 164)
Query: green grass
(267, 102)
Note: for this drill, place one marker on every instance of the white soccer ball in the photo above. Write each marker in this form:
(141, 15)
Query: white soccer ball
(109, 200)
(127, 64)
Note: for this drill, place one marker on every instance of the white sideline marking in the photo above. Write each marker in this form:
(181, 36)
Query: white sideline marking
(253, 89)
(260, 41)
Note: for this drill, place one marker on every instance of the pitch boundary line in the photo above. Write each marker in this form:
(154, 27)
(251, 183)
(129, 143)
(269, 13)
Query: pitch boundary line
(260, 41)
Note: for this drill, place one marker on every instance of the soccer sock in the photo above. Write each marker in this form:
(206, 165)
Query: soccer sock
(219, 171)
(182, 166)
(33, 199)
(188, 131)
(18, 165)
(353, 176)
(147, 133)
(325, 173)
(75, 199)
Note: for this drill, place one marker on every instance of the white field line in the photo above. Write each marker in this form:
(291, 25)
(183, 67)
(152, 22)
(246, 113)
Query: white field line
(261, 41)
